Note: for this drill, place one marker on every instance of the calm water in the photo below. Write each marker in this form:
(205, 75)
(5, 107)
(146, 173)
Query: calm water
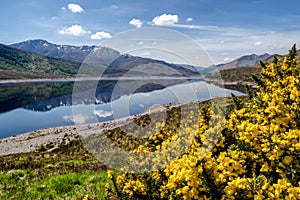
(27, 107)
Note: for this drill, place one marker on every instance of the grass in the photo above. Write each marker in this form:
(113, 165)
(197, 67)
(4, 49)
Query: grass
(68, 172)
(30, 184)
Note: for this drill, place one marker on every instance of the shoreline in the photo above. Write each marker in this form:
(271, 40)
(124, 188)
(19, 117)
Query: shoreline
(226, 83)
(72, 79)
(232, 85)
(14, 81)
(30, 141)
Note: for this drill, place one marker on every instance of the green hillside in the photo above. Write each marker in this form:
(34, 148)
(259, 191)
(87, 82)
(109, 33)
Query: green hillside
(18, 64)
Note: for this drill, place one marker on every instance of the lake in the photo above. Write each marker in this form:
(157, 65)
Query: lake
(30, 106)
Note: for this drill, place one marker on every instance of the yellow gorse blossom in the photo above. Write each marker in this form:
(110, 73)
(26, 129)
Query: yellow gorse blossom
(86, 197)
(255, 156)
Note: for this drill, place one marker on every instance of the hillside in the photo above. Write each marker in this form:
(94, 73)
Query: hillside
(245, 73)
(244, 61)
(19, 64)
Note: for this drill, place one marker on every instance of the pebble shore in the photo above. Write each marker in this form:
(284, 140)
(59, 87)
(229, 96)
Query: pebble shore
(29, 142)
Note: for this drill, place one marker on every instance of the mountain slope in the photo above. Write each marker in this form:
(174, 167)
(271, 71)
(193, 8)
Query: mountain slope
(15, 64)
(245, 73)
(244, 61)
(115, 63)
(149, 66)
(67, 52)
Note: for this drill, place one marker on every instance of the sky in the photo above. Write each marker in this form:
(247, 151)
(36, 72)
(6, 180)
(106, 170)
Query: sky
(224, 29)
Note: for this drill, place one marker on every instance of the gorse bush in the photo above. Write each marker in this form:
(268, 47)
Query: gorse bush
(253, 154)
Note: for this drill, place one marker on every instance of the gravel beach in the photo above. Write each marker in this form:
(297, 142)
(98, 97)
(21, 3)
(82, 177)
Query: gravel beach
(28, 142)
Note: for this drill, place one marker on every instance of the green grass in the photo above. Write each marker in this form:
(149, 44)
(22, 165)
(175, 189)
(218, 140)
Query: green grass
(29, 184)
(68, 172)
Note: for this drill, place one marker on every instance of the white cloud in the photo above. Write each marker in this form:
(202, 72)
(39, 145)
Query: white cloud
(114, 7)
(204, 27)
(103, 113)
(136, 22)
(63, 8)
(77, 119)
(75, 8)
(189, 19)
(165, 20)
(141, 43)
(75, 30)
(272, 43)
(100, 35)
(259, 43)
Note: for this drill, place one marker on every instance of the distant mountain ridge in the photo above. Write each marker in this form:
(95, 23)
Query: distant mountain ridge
(67, 52)
(123, 63)
(244, 61)
(115, 62)
(245, 73)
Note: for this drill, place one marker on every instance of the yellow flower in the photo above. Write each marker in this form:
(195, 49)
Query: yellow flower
(86, 197)
(109, 174)
(251, 155)
(287, 160)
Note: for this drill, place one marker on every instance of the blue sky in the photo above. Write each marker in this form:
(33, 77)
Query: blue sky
(225, 29)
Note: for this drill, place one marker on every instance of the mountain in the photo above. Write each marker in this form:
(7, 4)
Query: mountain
(245, 73)
(67, 52)
(196, 69)
(19, 64)
(147, 66)
(113, 62)
(244, 61)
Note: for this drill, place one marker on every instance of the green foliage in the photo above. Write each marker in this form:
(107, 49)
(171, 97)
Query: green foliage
(257, 80)
(250, 92)
(293, 52)
(238, 104)
(41, 148)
